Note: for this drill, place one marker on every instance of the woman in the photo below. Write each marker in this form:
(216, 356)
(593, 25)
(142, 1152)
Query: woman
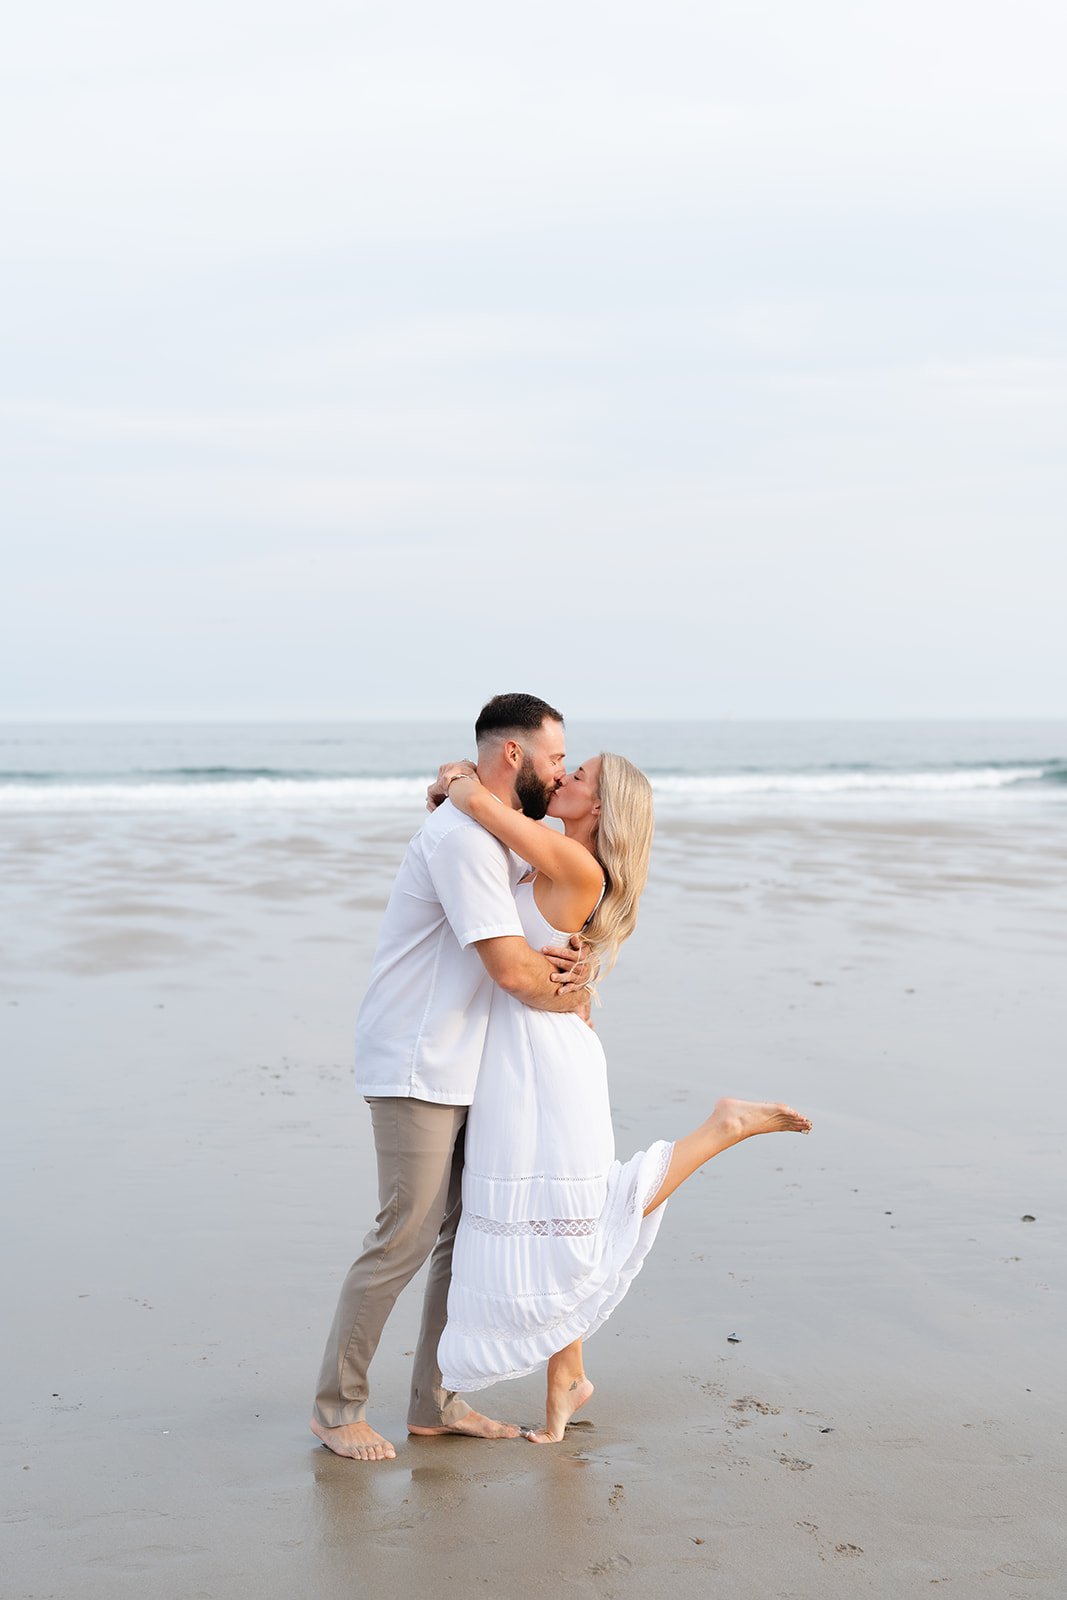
(554, 1229)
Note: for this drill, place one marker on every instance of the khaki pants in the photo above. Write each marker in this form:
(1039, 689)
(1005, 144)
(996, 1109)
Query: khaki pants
(420, 1170)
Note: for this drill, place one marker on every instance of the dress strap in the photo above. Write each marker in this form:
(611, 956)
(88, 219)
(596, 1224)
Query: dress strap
(596, 908)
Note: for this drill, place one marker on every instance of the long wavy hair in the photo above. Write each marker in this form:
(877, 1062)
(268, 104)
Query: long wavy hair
(621, 844)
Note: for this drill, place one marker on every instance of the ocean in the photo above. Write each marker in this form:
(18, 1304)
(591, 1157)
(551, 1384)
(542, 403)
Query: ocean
(694, 766)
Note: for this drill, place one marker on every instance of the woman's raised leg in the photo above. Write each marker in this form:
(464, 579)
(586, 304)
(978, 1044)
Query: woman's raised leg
(568, 1388)
(729, 1123)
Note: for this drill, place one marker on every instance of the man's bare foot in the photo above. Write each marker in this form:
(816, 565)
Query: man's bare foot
(734, 1120)
(475, 1426)
(563, 1402)
(357, 1440)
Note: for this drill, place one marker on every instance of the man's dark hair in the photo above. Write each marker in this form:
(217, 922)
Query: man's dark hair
(513, 713)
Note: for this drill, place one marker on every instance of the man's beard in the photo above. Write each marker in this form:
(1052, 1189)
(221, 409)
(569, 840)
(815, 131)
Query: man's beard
(533, 795)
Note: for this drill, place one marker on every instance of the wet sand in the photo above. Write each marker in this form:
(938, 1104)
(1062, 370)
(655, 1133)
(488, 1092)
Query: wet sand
(188, 1173)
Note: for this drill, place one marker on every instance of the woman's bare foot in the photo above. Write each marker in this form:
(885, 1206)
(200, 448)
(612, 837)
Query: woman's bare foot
(356, 1440)
(475, 1426)
(562, 1404)
(729, 1123)
(734, 1120)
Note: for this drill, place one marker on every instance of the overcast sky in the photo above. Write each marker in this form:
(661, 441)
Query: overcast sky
(662, 358)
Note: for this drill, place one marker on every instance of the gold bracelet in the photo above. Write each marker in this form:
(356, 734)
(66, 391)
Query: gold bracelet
(455, 777)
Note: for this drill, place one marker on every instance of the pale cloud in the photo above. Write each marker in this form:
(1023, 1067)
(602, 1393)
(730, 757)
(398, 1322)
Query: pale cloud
(731, 334)
(191, 132)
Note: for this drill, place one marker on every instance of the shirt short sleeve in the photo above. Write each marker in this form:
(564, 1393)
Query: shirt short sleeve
(470, 871)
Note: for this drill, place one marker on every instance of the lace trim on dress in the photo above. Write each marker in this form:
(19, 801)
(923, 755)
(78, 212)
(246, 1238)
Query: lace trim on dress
(660, 1173)
(549, 1228)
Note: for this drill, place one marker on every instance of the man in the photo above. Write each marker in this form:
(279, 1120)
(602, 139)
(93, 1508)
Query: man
(451, 931)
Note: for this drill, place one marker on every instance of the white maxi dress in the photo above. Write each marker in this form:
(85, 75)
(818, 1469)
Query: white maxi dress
(552, 1232)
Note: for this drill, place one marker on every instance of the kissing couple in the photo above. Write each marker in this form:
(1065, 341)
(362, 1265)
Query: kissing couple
(488, 1091)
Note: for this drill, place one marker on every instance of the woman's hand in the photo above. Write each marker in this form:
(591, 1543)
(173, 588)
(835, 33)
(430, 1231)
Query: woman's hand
(461, 783)
(572, 961)
(437, 791)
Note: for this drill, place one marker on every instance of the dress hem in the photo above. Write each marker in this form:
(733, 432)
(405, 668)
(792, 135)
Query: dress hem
(624, 1262)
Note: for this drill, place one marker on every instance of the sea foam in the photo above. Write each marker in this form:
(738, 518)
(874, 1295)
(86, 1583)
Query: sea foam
(383, 793)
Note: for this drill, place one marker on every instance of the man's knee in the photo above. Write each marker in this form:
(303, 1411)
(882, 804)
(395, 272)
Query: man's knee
(416, 1147)
(402, 1236)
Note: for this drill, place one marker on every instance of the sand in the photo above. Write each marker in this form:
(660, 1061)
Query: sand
(188, 1173)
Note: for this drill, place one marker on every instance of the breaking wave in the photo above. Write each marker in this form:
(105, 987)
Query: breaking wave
(263, 789)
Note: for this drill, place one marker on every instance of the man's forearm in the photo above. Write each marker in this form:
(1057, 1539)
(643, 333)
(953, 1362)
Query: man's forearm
(544, 996)
(528, 975)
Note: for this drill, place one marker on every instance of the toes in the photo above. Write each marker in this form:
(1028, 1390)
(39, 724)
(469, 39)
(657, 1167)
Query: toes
(373, 1452)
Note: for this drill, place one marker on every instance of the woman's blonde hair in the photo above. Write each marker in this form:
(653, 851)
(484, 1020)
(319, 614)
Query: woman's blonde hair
(621, 844)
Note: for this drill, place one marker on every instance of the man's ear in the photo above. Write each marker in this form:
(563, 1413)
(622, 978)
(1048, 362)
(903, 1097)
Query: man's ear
(513, 752)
